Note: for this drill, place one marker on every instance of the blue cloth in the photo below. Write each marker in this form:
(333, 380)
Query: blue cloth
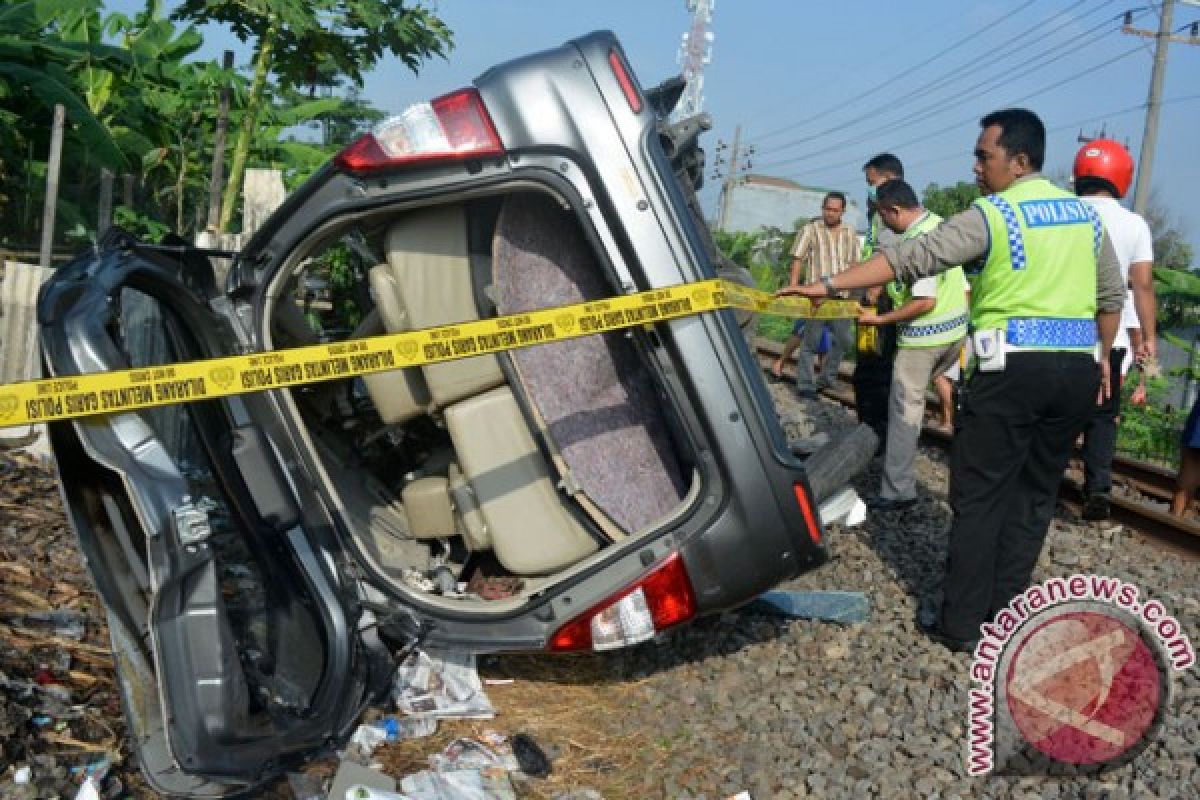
(1051, 332)
(823, 345)
(1191, 428)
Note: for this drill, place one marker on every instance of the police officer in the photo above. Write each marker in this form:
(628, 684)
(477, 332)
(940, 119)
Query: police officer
(931, 320)
(875, 346)
(1047, 292)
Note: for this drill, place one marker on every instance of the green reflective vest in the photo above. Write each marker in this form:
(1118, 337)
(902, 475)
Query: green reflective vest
(946, 322)
(871, 239)
(1038, 280)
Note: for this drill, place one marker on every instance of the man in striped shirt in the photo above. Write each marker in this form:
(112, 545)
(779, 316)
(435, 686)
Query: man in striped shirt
(825, 246)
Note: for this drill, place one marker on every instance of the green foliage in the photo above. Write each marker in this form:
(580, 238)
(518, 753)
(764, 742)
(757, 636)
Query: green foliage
(339, 268)
(342, 37)
(302, 42)
(1178, 295)
(139, 224)
(1171, 248)
(765, 254)
(1150, 432)
(47, 57)
(946, 201)
(139, 104)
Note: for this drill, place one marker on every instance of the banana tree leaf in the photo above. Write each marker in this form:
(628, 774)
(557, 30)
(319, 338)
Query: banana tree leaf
(1177, 281)
(306, 111)
(32, 16)
(301, 155)
(49, 91)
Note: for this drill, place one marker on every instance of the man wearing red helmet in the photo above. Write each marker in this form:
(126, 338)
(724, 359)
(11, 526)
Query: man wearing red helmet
(1103, 172)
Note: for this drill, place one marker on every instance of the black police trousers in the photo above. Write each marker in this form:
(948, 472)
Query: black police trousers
(1013, 437)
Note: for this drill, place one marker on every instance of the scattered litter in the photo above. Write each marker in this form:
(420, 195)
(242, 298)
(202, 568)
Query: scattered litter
(22, 776)
(90, 790)
(740, 796)
(530, 757)
(65, 622)
(491, 783)
(363, 742)
(416, 579)
(441, 684)
(305, 787)
(353, 779)
(494, 587)
(828, 606)
(401, 728)
(472, 754)
(367, 738)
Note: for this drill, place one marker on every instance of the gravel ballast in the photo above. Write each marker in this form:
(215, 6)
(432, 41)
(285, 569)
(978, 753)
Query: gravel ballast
(797, 709)
(748, 702)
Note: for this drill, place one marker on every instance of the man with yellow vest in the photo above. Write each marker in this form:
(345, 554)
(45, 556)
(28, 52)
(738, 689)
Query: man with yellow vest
(875, 347)
(930, 316)
(1045, 304)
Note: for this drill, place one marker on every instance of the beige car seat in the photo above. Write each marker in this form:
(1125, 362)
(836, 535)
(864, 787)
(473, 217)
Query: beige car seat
(427, 282)
(499, 494)
(528, 527)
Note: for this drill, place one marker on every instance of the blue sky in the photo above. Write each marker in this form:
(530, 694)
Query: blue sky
(820, 87)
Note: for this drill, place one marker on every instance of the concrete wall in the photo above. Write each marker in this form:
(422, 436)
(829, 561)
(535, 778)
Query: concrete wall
(20, 356)
(753, 206)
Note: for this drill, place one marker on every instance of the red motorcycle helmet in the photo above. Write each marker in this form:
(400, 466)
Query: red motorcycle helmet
(1106, 160)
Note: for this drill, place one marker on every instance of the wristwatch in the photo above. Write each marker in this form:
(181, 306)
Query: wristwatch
(827, 280)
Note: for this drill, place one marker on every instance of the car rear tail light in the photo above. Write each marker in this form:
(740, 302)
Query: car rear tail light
(632, 96)
(810, 519)
(453, 127)
(660, 600)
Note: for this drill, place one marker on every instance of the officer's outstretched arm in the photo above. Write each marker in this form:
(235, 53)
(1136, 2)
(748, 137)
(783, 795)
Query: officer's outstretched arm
(875, 271)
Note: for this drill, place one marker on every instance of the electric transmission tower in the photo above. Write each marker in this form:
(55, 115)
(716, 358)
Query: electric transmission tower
(694, 52)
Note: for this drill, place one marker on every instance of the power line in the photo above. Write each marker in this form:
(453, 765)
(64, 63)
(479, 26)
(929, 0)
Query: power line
(953, 76)
(878, 87)
(953, 129)
(943, 106)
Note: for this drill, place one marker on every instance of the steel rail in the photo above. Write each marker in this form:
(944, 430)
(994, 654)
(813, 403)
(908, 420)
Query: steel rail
(1145, 479)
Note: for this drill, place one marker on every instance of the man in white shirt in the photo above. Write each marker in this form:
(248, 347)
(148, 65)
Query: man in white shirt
(1103, 172)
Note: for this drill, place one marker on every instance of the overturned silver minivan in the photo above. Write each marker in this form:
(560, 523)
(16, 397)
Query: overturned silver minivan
(264, 557)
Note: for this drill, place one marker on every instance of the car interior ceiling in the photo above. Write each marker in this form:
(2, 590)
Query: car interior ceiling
(501, 472)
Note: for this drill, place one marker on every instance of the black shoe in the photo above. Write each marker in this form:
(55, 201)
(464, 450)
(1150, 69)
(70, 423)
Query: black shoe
(927, 624)
(1096, 507)
(891, 503)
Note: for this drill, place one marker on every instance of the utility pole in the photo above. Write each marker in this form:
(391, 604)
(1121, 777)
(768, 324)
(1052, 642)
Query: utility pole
(1162, 38)
(53, 165)
(727, 186)
(739, 160)
(104, 211)
(216, 182)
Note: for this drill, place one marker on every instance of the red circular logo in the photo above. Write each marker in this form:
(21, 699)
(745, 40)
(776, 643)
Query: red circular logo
(1083, 687)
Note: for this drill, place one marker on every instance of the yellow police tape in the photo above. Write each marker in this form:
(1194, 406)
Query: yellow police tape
(131, 389)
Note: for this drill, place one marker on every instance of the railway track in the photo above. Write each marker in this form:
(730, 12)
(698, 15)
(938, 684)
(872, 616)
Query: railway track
(1140, 490)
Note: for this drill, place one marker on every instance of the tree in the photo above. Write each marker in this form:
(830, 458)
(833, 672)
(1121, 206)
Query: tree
(1171, 249)
(296, 40)
(946, 201)
(38, 55)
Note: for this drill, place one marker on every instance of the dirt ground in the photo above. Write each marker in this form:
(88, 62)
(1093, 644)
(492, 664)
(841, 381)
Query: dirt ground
(60, 709)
